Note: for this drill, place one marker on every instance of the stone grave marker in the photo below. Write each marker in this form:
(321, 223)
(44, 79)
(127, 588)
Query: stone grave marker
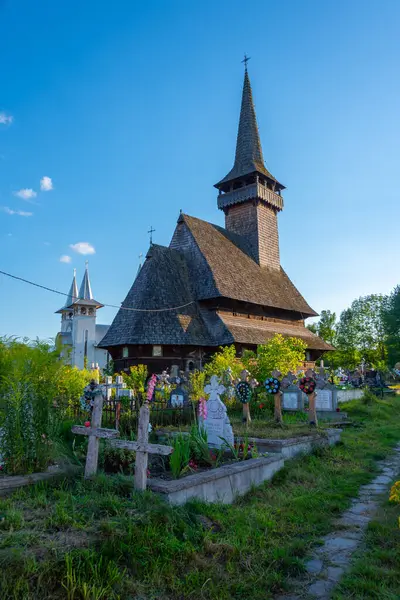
(217, 424)
(326, 399)
(292, 397)
(179, 396)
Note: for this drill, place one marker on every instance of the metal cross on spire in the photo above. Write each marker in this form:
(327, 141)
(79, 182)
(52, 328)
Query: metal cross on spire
(151, 231)
(245, 61)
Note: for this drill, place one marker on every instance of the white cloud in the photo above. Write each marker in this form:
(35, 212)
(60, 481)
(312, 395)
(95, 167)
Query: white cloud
(46, 184)
(5, 119)
(83, 248)
(20, 213)
(46, 243)
(26, 194)
(65, 258)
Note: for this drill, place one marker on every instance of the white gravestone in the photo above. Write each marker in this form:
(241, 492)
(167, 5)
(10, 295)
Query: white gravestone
(290, 401)
(292, 398)
(324, 400)
(217, 424)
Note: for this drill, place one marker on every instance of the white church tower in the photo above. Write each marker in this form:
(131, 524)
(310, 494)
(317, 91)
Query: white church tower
(79, 332)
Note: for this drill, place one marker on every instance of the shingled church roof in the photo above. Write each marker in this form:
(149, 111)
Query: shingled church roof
(203, 262)
(162, 282)
(220, 266)
(249, 156)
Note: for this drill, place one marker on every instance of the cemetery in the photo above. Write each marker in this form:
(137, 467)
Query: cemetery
(92, 464)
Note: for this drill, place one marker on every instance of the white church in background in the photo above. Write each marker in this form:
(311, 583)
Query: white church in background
(79, 333)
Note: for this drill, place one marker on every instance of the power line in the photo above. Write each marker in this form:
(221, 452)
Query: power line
(48, 289)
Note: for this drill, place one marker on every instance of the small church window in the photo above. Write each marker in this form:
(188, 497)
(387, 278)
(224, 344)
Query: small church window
(91, 311)
(190, 365)
(86, 343)
(125, 352)
(83, 310)
(70, 315)
(157, 351)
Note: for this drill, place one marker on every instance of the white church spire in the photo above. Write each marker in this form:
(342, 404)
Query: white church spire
(85, 291)
(72, 294)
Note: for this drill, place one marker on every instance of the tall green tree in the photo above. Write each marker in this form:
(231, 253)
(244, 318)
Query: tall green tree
(325, 328)
(391, 324)
(361, 332)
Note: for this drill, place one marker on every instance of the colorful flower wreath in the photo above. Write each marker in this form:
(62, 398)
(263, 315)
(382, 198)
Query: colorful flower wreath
(243, 390)
(307, 385)
(272, 385)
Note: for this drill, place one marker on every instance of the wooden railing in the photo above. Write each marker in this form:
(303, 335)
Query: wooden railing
(255, 190)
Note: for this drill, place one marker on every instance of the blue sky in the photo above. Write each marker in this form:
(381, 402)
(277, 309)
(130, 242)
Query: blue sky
(131, 108)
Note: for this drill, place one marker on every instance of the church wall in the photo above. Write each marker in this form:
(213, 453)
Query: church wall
(80, 326)
(242, 220)
(256, 311)
(268, 237)
(257, 222)
(100, 357)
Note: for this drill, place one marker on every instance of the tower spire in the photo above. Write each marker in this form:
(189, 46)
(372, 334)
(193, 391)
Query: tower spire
(72, 294)
(85, 291)
(249, 195)
(249, 156)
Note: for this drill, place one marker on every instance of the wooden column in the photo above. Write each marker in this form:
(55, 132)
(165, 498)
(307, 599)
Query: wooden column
(93, 445)
(142, 458)
(312, 409)
(246, 413)
(278, 407)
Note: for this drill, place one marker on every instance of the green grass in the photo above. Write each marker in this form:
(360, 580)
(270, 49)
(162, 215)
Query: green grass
(80, 540)
(294, 425)
(375, 574)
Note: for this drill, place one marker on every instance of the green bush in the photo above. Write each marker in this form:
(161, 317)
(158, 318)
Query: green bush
(30, 375)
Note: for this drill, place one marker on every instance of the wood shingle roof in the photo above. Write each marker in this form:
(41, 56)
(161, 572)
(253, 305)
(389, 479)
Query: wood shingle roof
(225, 269)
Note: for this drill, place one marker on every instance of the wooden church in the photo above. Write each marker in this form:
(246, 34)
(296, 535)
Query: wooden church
(215, 286)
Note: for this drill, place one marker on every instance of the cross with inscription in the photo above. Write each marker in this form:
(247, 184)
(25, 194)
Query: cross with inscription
(151, 231)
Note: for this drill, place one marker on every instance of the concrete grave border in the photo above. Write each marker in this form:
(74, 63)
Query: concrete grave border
(226, 483)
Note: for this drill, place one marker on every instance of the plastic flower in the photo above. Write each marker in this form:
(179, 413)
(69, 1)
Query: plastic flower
(150, 387)
(203, 408)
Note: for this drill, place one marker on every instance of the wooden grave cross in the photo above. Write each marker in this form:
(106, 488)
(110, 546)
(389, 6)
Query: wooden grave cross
(94, 432)
(142, 448)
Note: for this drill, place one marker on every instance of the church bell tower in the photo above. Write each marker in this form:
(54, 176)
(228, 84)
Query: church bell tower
(249, 195)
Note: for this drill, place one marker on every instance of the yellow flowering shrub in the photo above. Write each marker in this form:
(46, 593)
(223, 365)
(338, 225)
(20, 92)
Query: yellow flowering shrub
(395, 493)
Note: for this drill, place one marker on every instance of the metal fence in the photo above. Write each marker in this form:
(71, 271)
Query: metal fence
(123, 413)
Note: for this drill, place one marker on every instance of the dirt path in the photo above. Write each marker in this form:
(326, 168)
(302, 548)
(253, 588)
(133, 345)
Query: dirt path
(330, 560)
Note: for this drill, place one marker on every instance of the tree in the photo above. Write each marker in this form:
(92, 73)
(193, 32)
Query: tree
(361, 333)
(325, 328)
(221, 360)
(280, 353)
(391, 325)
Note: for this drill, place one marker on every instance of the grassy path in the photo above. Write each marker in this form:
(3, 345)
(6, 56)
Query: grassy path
(375, 574)
(92, 540)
